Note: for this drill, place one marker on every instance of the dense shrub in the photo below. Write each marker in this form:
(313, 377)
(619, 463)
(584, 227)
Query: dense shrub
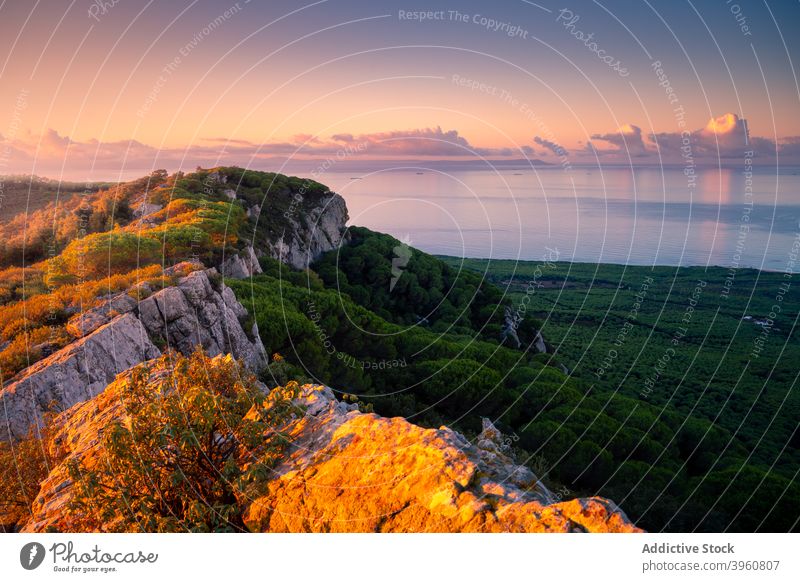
(197, 444)
(17, 283)
(107, 253)
(23, 466)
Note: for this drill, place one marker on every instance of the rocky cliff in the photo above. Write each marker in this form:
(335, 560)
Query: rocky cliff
(301, 221)
(127, 329)
(348, 471)
(311, 232)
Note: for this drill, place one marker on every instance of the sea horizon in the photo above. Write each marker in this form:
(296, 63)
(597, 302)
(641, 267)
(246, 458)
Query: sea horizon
(635, 216)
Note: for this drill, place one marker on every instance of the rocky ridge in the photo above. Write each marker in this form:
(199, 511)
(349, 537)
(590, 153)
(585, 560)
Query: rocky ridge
(359, 472)
(200, 310)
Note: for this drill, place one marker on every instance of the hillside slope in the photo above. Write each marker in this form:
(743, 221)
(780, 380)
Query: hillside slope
(144, 286)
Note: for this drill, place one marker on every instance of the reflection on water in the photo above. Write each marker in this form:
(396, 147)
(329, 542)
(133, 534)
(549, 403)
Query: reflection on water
(644, 216)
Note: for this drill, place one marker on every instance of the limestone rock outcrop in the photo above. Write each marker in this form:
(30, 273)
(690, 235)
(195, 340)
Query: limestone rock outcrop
(348, 471)
(241, 265)
(198, 312)
(121, 332)
(73, 374)
(511, 322)
(85, 323)
(311, 230)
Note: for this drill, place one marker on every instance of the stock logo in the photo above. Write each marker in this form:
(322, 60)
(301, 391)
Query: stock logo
(31, 555)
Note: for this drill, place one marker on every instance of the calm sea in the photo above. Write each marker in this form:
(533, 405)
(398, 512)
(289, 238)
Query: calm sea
(646, 216)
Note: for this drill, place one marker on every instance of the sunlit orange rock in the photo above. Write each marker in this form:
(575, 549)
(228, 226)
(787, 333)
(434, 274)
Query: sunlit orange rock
(349, 471)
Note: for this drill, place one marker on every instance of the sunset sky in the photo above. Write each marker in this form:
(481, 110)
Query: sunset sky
(103, 88)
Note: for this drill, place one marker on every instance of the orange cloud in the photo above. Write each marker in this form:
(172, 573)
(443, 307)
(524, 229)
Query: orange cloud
(723, 137)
